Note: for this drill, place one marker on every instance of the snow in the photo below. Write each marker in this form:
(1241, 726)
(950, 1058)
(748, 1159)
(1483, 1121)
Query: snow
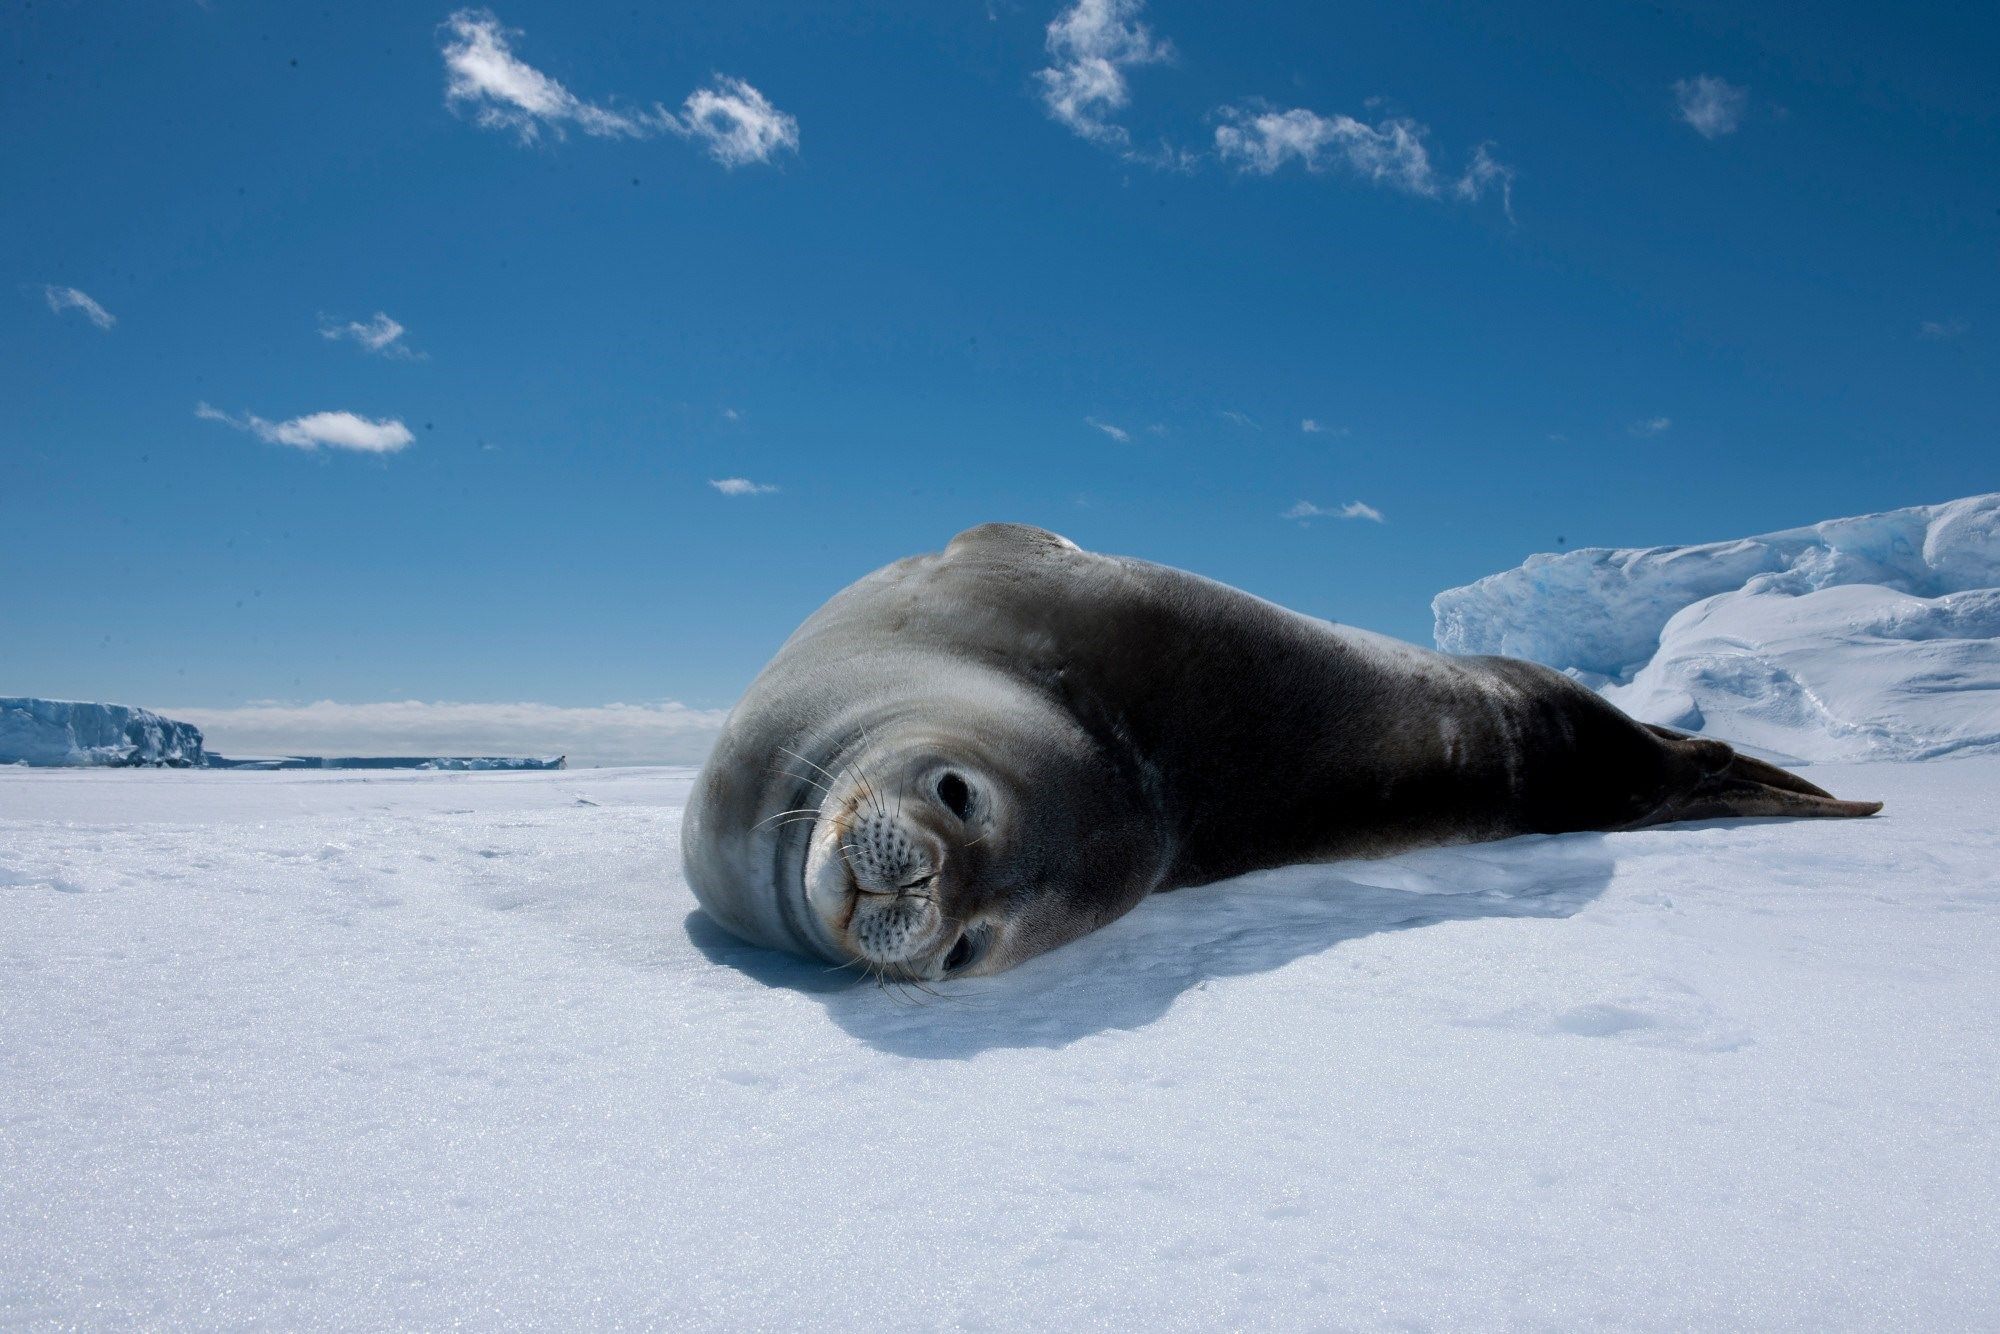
(1875, 637)
(414, 1048)
(47, 732)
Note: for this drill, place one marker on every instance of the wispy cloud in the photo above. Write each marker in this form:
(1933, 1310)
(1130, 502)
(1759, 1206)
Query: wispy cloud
(1311, 427)
(1714, 107)
(61, 299)
(1305, 512)
(331, 430)
(379, 334)
(1243, 419)
(1262, 139)
(1091, 45)
(661, 733)
(736, 123)
(740, 486)
(1118, 433)
(484, 79)
(1937, 329)
(1652, 426)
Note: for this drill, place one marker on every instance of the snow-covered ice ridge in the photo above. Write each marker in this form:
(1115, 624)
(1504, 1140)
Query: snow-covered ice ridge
(60, 732)
(419, 1050)
(1875, 637)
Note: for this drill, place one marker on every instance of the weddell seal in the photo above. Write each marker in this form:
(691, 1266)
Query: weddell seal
(973, 756)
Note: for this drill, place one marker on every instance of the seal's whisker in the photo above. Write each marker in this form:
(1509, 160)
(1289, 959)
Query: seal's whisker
(830, 777)
(867, 779)
(803, 810)
(868, 790)
(811, 783)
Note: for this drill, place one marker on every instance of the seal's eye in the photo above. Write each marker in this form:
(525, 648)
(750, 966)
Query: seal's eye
(961, 954)
(953, 792)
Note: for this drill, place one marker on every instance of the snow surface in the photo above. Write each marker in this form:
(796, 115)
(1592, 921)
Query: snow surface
(50, 732)
(407, 1049)
(1875, 637)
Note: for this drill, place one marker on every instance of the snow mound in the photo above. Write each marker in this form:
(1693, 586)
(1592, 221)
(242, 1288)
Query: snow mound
(57, 732)
(1875, 637)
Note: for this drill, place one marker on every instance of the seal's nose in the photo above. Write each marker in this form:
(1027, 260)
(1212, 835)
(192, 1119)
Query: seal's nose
(885, 856)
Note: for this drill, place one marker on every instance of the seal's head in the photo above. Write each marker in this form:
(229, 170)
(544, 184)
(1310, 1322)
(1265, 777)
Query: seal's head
(910, 786)
(915, 849)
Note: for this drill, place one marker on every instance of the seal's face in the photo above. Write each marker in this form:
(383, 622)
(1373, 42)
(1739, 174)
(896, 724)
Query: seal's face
(904, 871)
(955, 831)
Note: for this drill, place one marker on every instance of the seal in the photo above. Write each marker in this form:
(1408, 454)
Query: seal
(973, 756)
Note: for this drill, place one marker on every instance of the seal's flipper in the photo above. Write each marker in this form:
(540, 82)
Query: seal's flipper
(1734, 786)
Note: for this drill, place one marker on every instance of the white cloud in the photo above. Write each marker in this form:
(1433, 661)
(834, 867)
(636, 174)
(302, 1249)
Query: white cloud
(500, 91)
(1263, 139)
(741, 486)
(736, 123)
(380, 335)
(1485, 173)
(1653, 426)
(61, 299)
(334, 430)
(1305, 511)
(1091, 45)
(1118, 433)
(1312, 427)
(1943, 328)
(662, 733)
(1242, 419)
(1714, 107)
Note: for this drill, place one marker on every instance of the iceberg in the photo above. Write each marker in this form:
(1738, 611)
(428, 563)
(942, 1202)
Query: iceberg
(1873, 637)
(46, 733)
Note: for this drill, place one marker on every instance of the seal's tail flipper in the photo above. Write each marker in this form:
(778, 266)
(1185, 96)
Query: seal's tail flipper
(1732, 786)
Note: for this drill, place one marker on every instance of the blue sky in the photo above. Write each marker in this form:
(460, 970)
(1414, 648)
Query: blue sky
(1598, 275)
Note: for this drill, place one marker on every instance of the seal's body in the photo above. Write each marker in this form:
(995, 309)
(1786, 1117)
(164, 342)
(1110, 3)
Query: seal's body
(970, 757)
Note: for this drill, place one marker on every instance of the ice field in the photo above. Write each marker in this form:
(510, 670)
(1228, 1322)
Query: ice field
(367, 1049)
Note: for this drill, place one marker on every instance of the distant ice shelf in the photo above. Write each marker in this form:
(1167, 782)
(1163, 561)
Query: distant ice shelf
(461, 762)
(60, 733)
(1875, 637)
(50, 733)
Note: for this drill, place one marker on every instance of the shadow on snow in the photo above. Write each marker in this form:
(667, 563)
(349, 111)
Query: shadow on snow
(1129, 973)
